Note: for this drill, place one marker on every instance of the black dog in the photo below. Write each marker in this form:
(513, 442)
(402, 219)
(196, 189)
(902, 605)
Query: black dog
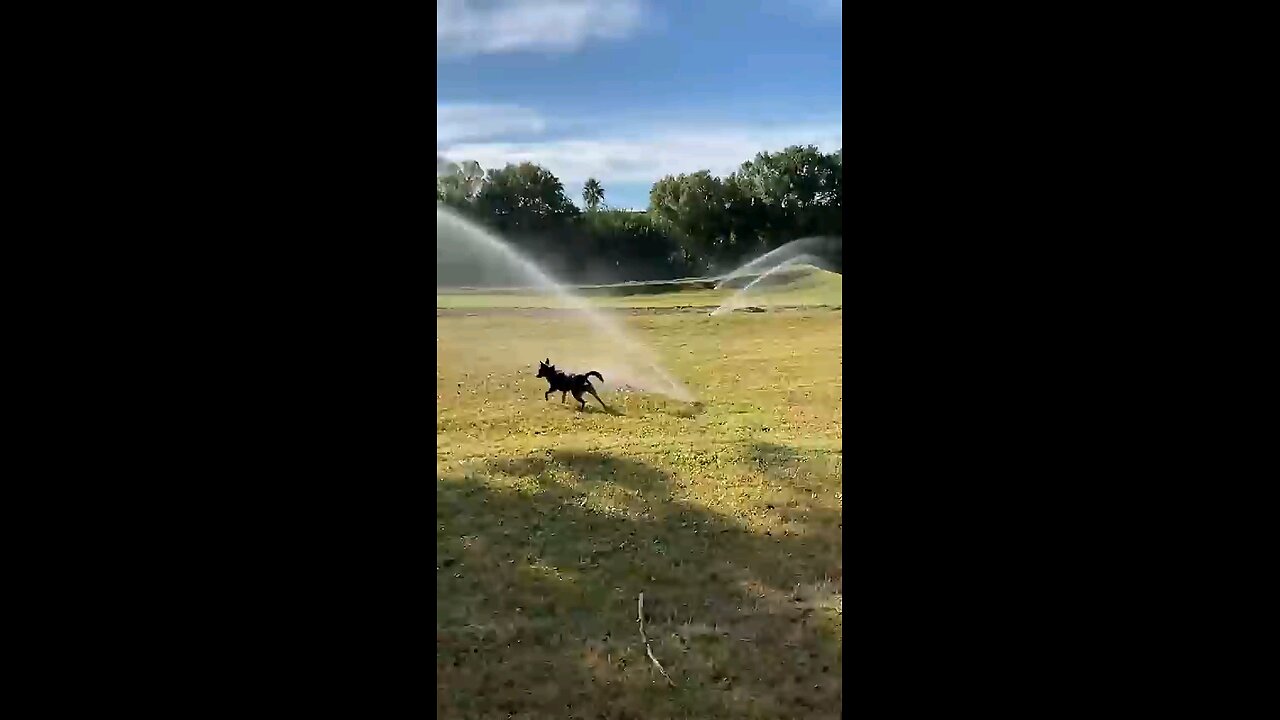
(562, 383)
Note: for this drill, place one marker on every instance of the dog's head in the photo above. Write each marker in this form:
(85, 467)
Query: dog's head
(546, 369)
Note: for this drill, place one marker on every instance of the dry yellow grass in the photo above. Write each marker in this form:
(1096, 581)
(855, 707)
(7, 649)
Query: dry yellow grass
(726, 513)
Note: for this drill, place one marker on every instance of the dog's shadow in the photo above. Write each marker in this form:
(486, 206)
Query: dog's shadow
(606, 410)
(683, 410)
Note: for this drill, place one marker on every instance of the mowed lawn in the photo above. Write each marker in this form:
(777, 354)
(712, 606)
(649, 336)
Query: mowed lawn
(804, 286)
(725, 513)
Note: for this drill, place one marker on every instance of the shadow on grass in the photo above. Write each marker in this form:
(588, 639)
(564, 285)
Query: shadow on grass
(769, 454)
(539, 562)
(685, 410)
(795, 469)
(593, 408)
(606, 410)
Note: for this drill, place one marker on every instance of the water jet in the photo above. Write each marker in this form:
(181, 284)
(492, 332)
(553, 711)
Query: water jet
(476, 256)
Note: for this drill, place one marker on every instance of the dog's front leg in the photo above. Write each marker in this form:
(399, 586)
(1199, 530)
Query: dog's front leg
(546, 395)
(562, 396)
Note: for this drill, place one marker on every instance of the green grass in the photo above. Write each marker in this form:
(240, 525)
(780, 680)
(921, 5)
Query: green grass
(725, 513)
(809, 288)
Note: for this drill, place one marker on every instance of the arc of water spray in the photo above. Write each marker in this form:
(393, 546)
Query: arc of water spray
(734, 303)
(632, 350)
(777, 255)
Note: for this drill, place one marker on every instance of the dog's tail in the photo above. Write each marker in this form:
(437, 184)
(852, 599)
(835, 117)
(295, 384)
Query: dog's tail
(593, 372)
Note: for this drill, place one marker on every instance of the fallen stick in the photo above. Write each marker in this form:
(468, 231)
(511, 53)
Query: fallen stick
(648, 651)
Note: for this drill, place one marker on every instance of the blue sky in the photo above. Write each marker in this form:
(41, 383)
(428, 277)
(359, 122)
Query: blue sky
(627, 91)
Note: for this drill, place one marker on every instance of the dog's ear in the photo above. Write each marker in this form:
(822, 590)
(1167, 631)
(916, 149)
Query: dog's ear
(547, 362)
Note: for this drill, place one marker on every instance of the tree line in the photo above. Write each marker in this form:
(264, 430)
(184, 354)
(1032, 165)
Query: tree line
(695, 223)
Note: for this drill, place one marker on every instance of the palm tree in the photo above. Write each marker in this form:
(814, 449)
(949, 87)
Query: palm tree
(592, 193)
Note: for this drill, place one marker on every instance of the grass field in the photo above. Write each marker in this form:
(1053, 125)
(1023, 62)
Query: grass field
(724, 512)
(807, 288)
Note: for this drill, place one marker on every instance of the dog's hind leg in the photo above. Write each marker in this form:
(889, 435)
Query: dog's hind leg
(597, 397)
(562, 395)
(577, 395)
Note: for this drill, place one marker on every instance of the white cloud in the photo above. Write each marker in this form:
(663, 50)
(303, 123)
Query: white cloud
(459, 122)
(643, 158)
(468, 27)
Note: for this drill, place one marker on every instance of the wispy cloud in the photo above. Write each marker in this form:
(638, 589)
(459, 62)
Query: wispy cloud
(459, 122)
(467, 27)
(645, 156)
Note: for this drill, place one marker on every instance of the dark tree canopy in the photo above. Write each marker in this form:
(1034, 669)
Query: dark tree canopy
(695, 222)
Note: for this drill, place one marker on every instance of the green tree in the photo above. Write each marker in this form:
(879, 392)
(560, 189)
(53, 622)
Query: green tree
(627, 245)
(695, 221)
(794, 192)
(695, 209)
(592, 193)
(524, 197)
